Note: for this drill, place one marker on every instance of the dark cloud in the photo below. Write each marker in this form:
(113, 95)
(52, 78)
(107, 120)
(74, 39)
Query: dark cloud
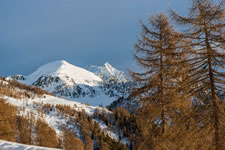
(36, 32)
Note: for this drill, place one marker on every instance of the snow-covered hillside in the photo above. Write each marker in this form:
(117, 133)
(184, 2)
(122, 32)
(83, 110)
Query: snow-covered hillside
(53, 119)
(59, 114)
(98, 86)
(5, 145)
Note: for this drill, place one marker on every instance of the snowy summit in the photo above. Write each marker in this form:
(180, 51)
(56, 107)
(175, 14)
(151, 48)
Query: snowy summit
(96, 86)
(67, 72)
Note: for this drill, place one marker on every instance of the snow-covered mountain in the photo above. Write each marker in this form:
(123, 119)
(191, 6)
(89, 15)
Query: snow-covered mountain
(59, 70)
(95, 86)
(108, 74)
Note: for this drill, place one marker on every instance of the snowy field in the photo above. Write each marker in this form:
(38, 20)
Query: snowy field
(5, 145)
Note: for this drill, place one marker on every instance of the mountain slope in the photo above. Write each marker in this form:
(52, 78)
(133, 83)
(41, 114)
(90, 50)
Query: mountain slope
(68, 73)
(98, 86)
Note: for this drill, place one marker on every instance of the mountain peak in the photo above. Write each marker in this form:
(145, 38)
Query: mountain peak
(108, 73)
(69, 73)
(99, 85)
(56, 65)
(52, 67)
(63, 62)
(107, 64)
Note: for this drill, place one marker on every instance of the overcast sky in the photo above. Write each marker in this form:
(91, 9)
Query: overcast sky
(82, 32)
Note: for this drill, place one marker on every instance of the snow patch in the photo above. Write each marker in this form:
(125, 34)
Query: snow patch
(5, 145)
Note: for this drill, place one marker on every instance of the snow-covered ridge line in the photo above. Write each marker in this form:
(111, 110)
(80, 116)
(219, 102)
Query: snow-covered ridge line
(99, 86)
(6, 145)
(64, 70)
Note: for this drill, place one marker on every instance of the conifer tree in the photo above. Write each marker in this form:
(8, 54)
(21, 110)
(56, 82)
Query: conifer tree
(157, 52)
(24, 126)
(71, 142)
(7, 121)
(88, 143)
(206, 29)
(46, 136)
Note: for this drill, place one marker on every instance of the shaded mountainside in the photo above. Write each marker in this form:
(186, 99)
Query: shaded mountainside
(96, 86)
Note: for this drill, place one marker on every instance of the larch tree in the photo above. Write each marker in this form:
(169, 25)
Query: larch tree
(46, 136)
(88, 144)
(71, 142)
(157, 52)
(206, 29)
(24, 126)
(7, 121)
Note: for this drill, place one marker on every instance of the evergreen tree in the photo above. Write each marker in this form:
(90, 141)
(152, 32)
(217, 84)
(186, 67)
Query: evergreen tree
(46, 136)
(157, 52)
(7, 121)
(24, 126)
(206, 76)
(88, 143)
(71, 142)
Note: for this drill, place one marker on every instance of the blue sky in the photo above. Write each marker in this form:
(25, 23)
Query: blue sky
(82, 32)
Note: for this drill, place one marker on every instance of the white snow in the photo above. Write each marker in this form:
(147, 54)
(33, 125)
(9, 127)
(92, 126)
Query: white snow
(3, 82)
(99, 100)
(5, 145)
(64, 70)
(47, 99)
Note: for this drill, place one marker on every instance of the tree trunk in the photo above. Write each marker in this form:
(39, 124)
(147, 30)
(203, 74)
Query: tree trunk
(213, 93)
(162, 86)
